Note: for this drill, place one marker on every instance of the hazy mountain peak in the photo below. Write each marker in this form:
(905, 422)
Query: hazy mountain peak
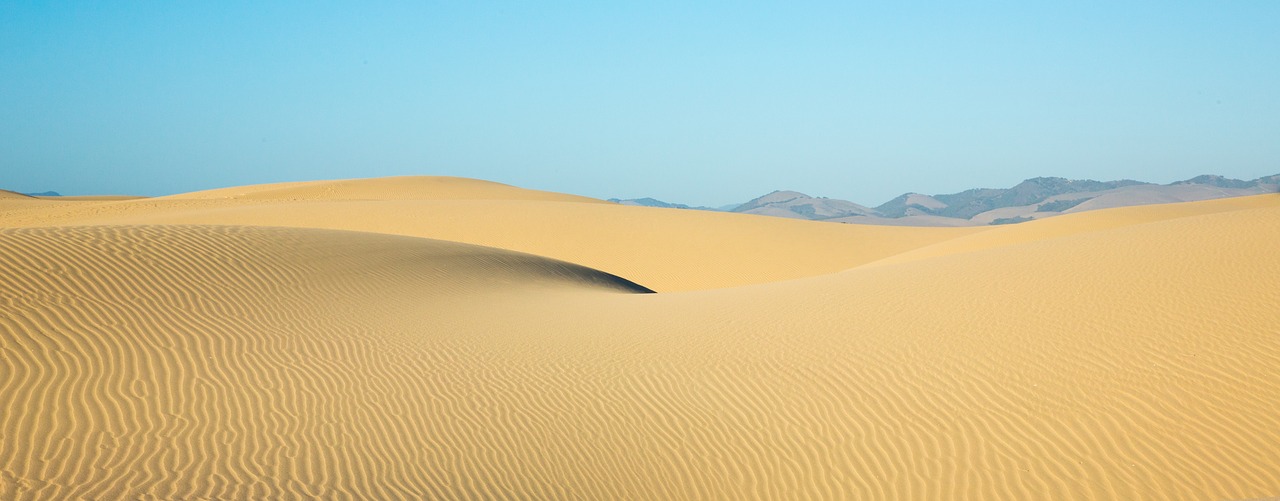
(1032, 198)
(799, 205)
(1219, 181)
(653, 202)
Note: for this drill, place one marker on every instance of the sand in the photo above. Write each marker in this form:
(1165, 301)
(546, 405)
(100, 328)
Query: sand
(664, 249)
(178, 348)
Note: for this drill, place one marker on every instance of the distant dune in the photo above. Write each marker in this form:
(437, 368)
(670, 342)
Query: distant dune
(387, 188)
(325, 340)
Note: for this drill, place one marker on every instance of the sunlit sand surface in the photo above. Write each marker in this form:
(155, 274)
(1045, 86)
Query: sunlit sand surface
(446, 338)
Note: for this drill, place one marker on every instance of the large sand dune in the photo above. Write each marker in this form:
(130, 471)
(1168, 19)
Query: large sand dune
(386, 188)
(13, 200)
(665, 249)
(1117, 354)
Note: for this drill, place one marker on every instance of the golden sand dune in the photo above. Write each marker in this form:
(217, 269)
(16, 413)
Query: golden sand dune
(1123, 358)
(90, 198)
(11, 200)
(665, 249)
(6, 195)
(13, 205)
(215, 362)
(386, 188)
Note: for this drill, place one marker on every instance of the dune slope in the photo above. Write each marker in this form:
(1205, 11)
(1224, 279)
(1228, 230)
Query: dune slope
(13, 200)
(217, 362)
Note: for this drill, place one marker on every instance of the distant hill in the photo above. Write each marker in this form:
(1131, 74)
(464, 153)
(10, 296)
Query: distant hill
(656, 203)
(970, 203)
(1223, 182)
(798, 205)
(648, 202)
(44, 194)
(1034, 198)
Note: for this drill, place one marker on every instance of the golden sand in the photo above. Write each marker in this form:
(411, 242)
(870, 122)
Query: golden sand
(237, 345)
(665, 249)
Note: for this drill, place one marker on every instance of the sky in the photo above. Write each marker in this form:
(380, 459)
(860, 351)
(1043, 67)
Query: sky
(705, 103)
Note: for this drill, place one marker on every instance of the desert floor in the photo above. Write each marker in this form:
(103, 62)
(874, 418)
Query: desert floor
(447, 338)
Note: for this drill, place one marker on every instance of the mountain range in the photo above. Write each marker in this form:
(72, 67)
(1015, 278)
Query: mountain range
(1033, 198)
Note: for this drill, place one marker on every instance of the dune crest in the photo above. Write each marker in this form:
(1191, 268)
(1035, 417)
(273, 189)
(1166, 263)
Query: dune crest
(386, 188)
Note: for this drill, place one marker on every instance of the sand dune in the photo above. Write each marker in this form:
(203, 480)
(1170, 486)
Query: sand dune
(13, 200)
(215, 362)
(386, 188)
(1118, 354)
(90, 198)
(665, 249)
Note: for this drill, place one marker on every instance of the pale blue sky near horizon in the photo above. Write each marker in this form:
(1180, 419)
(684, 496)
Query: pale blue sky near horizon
(699, 103)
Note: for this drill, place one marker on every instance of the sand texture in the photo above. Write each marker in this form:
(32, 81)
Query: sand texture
(327, 340)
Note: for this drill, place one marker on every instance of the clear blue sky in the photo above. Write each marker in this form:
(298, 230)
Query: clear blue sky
(711, 103)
